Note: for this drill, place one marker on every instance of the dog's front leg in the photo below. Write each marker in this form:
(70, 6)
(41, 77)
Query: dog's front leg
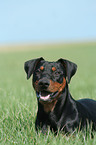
(41, 125)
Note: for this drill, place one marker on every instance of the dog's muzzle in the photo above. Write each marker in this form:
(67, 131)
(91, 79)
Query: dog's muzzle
(49, 91)
(46, 96)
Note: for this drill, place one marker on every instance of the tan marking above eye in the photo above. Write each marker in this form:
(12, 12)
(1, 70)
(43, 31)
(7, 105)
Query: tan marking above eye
(53, 68)
(42, 68)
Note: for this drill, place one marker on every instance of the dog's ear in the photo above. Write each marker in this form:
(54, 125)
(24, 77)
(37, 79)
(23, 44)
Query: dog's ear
(30, 66)
(70, 68)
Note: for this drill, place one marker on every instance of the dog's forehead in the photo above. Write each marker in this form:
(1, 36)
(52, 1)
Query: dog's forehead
(49, 65)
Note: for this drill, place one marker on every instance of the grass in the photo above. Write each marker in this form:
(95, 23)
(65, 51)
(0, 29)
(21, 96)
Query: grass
(18, 104)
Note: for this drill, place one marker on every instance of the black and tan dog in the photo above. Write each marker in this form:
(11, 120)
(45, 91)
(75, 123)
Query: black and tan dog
(56, 107)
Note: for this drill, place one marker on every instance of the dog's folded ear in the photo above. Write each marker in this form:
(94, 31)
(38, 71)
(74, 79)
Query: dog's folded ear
(30, 66)
(70, 68)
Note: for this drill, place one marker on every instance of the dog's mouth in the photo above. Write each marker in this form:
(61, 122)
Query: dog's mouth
(46, 96)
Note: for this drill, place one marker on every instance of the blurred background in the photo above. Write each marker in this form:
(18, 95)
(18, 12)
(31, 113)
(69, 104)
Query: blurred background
(38, 22)
(52, 29)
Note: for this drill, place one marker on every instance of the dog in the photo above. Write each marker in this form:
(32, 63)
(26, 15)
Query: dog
(56, 107)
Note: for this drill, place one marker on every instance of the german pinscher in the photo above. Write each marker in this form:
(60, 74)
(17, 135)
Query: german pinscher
(56, 107)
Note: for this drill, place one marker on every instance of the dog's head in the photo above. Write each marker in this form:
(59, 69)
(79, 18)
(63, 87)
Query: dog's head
(49, 78)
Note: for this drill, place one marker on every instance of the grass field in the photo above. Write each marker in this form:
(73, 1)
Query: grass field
(18, 104)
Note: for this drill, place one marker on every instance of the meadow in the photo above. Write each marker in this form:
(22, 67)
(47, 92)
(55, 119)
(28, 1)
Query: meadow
(18, 104)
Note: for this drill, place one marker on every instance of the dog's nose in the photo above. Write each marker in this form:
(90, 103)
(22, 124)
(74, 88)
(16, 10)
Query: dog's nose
(43, 83)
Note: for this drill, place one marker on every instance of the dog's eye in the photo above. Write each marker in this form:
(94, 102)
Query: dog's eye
(38, 71)
(57, 73)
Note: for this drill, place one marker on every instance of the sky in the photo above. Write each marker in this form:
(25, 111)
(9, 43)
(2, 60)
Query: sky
(25, 21)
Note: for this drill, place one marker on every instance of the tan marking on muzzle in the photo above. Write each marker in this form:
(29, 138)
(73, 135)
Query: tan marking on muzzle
(35, 85)
(55, 86)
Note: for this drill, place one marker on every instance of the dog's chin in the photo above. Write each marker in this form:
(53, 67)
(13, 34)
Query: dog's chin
(46, 96)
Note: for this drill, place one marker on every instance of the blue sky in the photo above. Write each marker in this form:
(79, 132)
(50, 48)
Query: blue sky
(47, 20)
